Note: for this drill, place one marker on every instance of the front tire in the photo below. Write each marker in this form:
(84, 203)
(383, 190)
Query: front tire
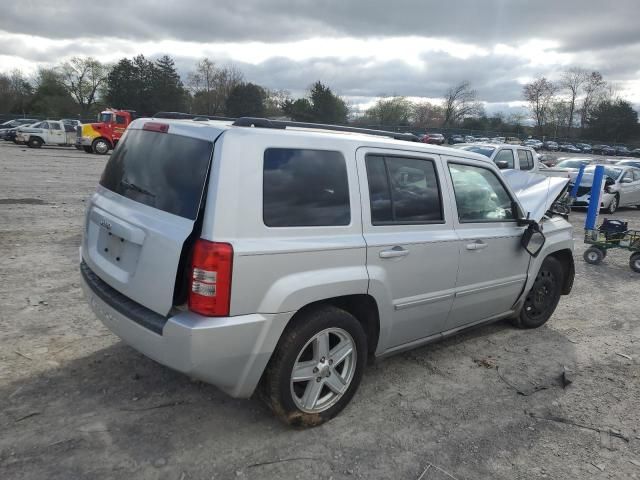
(634, 262)
(543, 298)
(316, 368)
(613, 206)
(100, 146)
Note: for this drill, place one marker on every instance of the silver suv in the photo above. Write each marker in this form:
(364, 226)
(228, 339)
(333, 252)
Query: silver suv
(277, 257)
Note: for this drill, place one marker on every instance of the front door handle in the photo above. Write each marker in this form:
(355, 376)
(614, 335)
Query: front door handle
(394, 252)
(477, 245)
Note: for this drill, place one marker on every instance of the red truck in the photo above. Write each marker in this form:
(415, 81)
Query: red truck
(103, 136)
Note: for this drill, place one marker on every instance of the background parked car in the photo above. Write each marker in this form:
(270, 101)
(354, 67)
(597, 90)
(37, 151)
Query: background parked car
(547, 159)
(629, 163)
(506, 156)
(635, 152)
(469, 139)
(604, 150)
(533, 143)
(12, 124)
(569, 148)
(584, 147)
(456, 139)
(622, 187)
(573, 164)
(622, 151)
(49, 132)
(433, 138)
(551, 146)
(10, 134)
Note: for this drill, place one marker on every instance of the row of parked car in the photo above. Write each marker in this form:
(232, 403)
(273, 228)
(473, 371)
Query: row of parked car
(549, 145)
(440, 139)
(618, 150)
(35, 133)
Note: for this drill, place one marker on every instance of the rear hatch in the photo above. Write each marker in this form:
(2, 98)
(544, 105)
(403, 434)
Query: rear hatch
(145, 208)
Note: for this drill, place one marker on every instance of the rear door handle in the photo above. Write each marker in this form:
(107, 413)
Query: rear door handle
(477, 245)
(394, 252)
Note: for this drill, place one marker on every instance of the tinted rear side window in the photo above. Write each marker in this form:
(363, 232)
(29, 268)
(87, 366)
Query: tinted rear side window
(160, 170)
(403, 190)
(304, 188)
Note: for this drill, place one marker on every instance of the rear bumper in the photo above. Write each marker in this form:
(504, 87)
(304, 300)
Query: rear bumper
(228, 352)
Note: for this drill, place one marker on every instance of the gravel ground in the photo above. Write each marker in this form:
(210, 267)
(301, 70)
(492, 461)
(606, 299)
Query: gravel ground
(76, 403)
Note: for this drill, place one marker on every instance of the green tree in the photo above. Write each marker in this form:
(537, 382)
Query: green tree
(613, 119)
(390, 111)
(299, 110)
(83, 78)
(321, 106)
(326, 106)
(15, 92)
(132, 85)
(51, 98)
(246, 100)
(168, 91)
(210, 86)
(123, 85)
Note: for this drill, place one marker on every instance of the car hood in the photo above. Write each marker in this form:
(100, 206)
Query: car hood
(536, 193)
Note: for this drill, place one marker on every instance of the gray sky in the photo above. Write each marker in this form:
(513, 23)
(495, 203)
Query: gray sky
(362, 49)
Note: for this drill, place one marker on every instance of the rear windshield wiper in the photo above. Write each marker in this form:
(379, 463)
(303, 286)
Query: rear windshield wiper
(133, 186)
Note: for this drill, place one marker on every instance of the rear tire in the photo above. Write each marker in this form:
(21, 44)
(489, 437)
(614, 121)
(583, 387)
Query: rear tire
(100, 146)
(327, 349)
(35, 142)
(594, 255)
(542, 300)
(634, 262)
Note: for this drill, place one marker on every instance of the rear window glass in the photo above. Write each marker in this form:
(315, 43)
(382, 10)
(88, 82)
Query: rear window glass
(160, 170)
(303, 188)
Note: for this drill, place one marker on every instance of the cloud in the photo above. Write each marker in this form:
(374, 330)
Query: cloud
(576, 24)
(363, 50)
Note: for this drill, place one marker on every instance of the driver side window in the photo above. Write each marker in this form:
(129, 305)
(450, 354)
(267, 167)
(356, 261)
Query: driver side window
(480, 195)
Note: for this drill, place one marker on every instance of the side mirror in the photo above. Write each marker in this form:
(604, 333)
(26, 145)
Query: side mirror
(502, 164)
(533, 240)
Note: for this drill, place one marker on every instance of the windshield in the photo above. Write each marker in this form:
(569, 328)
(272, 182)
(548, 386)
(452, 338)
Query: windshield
(571, 163)
(482, 150)
(105, 117)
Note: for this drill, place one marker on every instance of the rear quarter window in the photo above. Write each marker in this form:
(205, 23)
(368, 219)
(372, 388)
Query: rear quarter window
(305, 188)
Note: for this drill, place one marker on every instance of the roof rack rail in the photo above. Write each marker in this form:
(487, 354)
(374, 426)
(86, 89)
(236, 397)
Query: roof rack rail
(189, 116)
(282, 124)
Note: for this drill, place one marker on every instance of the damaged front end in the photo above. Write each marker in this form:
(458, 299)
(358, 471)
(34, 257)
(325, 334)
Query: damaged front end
(540, 196)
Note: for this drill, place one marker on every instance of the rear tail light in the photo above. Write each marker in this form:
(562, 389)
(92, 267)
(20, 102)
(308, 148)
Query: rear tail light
(210, 279)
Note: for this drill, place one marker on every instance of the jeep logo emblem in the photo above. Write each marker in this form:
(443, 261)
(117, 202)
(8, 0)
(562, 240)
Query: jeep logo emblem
(105, 224)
